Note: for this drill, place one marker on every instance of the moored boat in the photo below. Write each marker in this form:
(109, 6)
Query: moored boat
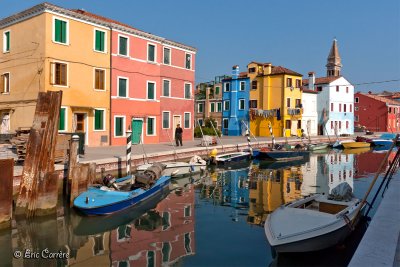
(356, 144)
(232, 157)
(385, 139)
(283, 155)
(310, 224)
(317, 146)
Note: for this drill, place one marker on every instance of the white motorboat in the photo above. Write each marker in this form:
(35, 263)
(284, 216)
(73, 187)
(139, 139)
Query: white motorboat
(177, 169)
(310, 224)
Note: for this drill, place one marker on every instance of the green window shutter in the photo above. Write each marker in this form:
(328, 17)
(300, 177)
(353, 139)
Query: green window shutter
(63, 32)
(99, 45)
(219, 106)
(187, 120)
(123, 46)
(187, 91)
(61, 125)
(150, 91)
(7, 36)
(60, 31)
(212, 107)
(119, 127)
(166, 88)
(217, 90)
(98, 119)
(150, 126)
(122, 88)
(151, 53)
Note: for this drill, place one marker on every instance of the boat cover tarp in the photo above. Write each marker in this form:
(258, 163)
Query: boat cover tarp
(342, 192)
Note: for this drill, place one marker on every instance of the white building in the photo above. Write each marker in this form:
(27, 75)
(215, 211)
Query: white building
(310, 115)
(335, 98)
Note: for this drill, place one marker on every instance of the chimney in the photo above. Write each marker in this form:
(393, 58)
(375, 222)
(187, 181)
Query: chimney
(267, 68)
(235, 72)
(207, 93)
(311, 80)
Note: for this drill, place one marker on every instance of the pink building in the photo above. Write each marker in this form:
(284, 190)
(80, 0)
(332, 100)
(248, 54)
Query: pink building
(152, 81)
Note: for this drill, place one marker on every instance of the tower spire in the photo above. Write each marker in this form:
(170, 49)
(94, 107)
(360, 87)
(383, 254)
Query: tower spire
(334, 65)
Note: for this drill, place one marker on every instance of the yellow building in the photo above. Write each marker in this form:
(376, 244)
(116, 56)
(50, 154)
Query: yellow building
(48, 48)
(275, 99)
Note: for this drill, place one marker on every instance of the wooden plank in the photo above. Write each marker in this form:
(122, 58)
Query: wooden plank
(6, 192)
(47, 195)
(39, 158)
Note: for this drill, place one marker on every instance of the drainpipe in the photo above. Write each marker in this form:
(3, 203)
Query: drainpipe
(110, 114)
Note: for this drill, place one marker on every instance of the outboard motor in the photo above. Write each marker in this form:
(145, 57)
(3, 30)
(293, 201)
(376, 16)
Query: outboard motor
(109, 181)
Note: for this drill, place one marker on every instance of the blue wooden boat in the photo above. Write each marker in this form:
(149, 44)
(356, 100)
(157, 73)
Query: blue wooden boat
(104, 200)
(385, 139)
(232, 157)
(283, 155)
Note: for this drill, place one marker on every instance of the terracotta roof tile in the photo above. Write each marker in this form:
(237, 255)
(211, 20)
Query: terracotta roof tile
(310, 91)
(322, 80)
(283, 70)
(381, 98)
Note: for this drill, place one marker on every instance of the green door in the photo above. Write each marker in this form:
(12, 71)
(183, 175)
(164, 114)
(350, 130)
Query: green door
(136, 131)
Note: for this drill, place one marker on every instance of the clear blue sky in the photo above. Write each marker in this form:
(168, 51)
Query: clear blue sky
(291, 33)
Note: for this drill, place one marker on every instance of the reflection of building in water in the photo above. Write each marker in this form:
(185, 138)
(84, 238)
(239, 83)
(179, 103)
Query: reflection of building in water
(314, 178)
(367, 163)
(160, 237)
(235, 191)
(339, 168)
(268, 189)
(95, 252)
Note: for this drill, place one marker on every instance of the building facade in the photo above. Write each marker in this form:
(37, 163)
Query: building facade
(376, 113)
(310, 116)
(275, 100)
(48, 48)
(235, 110)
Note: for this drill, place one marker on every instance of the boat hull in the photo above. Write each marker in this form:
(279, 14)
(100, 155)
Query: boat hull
(232, 158)
(183, 168)
(382, 142)
(283, 155)
(356, 144)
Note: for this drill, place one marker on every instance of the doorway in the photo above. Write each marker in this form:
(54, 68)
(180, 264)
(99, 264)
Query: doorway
(80, 125)
(137, 126)
(4, 123)
(176, 121)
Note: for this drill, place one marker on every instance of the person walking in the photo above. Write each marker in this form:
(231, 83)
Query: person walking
(178, 135)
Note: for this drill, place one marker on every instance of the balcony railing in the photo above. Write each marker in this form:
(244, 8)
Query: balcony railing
(294, 111)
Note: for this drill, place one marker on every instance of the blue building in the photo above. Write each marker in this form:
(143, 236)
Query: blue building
(235, 108)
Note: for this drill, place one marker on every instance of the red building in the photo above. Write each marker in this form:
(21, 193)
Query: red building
(376, 113)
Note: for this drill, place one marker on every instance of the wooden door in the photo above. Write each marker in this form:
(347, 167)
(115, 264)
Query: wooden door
(176, 121)
(137, 126)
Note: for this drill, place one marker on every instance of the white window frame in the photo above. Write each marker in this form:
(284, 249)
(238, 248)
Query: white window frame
(53, 77)
(124, 125)
(169, 119)
(105, 41)
(224, 105)
(154, 125)
(244, 86)
(356, 100)
(198, 105)
(191, 61)
(105, 80)
(219, 104)
(184, 90)
(65, 120)
(155, 90)
(5, 41)
(212, 104)
(169, 89)
(170, 55)
(190, 120)
(127, 45)
(244, 104)
(104, 120)
(225, 85)
(155, 53)
(127, 86)
(9, 84)
(223, 123)
(53, 33)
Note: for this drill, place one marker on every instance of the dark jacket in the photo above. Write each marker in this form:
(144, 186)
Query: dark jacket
(178, 131)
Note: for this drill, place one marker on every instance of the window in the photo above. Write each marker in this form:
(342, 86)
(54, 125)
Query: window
(252, 70)
(299, 124)
(123, 46)
(298, 83)
(347, 126)
(119, 126)
(200, 122)
(187, 120)
(242, 86)
(99, 79)
(212, 107)
(217, 90)
(60, 74)
(340, 107)
(356, 100)
(253, 103)
(60, 33)
(99, 41)
(200, 107)
(331, 124)
(187, 211)
(151, 90)
(166, 87)
(355, 108)
(319, 88)
(151, 53)
(122, 87)
(254, 85)
(151, 126)
(188, 90)
(331, 106)
(219, 106)
(226, 105)
(62, 123)
(288, 102)
(99, 120)
(6, 41)
(241, 104)
(344, 108)
(298, 103)
(347, 89)
(225, 123)
(340, 124)
(288, 82)
(188, 61)
(356, 118)
(288, 124)
(337, 88)
(351, 108)
(167, 56)
(5, 83)
(227, 87)
(165, 122)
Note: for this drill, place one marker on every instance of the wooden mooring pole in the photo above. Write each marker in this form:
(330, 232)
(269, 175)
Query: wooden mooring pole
(6, 192)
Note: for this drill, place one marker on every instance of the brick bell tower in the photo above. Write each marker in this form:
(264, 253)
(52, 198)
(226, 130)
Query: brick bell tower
(334, 65)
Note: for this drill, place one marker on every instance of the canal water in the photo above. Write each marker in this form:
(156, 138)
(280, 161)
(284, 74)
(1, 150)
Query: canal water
(214, 219)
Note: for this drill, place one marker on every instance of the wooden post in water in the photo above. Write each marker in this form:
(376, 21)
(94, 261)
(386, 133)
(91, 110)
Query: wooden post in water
(72, 162)
(6, 192)
(40, 151)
